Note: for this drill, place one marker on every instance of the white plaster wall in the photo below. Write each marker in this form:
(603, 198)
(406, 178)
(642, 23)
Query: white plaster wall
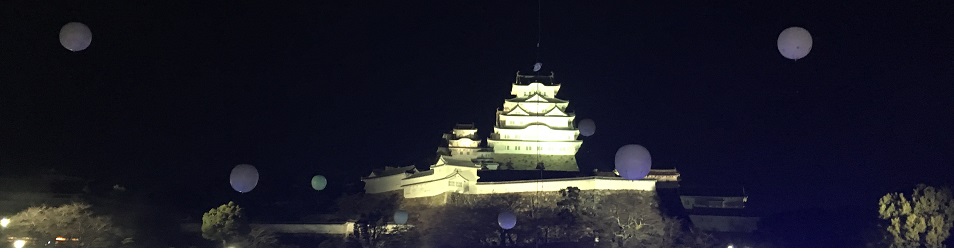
(546, 91)
(537, 133)
(463, 142)
(383, 184)
(520, 121)
(427, 186)
(464, 132)
(548, 148)
(558, 184)
(338, 228)
(465, 154)
(427, 189)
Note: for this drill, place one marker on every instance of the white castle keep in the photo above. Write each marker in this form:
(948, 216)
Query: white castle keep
(532, 132)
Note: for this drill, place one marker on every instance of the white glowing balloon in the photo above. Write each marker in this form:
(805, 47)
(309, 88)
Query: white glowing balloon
(400, 217)
(537, 66)
(506, 220)
(244, 178)
(794, 43)
(75, 36)
(633, 161)
(587, 127)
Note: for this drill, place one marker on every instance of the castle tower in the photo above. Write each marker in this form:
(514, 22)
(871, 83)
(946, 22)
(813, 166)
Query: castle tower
(462, 146)
(533, 130)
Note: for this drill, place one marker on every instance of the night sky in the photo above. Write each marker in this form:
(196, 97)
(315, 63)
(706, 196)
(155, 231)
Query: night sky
(171, 95)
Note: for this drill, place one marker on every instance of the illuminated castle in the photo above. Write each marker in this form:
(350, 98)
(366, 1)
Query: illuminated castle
(533, 134)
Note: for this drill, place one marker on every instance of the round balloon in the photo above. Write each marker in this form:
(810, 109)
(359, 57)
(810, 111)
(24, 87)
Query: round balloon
(506, 220)
(794, 43)
(400, 217)
(587, 127)
(244, 178)
(75, 36)
(633, 161)
(318, 182)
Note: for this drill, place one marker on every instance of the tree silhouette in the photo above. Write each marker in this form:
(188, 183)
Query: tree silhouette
(225, 223)
(922, 220)
(74, 220)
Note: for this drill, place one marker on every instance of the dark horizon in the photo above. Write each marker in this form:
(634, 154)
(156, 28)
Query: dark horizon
(169, 97)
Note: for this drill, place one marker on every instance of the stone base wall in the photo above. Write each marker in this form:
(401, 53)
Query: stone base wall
(529, 162)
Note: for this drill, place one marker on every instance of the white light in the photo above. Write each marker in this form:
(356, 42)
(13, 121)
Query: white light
(730, 246)
(19, 244)
(4, 222)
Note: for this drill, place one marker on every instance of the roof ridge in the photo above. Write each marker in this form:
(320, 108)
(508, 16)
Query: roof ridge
(558, 100)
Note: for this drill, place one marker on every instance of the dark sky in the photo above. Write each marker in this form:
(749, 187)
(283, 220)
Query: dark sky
(172, 94)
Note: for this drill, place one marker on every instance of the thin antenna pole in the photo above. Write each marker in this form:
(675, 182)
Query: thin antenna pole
(539, 26)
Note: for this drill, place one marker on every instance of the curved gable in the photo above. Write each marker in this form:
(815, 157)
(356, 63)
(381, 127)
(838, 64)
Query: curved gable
(517, 110)
(536, 98)
(555, 111)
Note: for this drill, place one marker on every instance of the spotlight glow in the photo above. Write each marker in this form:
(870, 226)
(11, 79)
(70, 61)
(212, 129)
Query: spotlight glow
(19, 244)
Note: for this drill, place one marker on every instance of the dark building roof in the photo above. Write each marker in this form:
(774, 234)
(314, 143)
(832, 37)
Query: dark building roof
(465, 126)
(739, 212)
(388, 171)
(527, 79)
(548, 99)
(421, 174)
(712, 191)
